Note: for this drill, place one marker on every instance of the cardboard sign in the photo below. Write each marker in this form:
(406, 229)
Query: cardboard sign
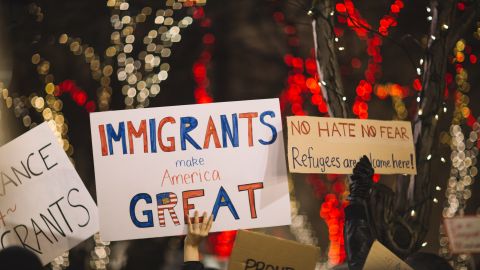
(155, 166)
(381, 258)
(463, 234)
(334, 145)
(256, 251)
(44, 205)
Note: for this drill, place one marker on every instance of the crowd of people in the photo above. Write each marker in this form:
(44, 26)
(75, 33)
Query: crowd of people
(357, 232)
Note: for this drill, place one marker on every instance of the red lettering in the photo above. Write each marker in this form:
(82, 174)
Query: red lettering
(249, 116)
(211, 131)
(251, 196)
(132, 132)
(103, 140)
(188, 195)
(171, 140)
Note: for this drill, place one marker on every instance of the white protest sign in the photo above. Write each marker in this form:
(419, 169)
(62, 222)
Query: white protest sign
(463, 234)
(334, 145)
(44, 206)
(155, 166)
(381, 258)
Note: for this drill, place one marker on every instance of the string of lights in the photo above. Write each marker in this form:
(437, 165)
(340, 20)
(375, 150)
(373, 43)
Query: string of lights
(463, 156)
(142, 75)
(350, 16)
(49, 107)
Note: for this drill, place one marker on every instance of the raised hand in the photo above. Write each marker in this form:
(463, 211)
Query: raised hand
(361, 180)
(197, 231)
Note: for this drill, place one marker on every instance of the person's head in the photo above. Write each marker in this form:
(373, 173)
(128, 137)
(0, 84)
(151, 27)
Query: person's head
(427, 261)
(19, 258)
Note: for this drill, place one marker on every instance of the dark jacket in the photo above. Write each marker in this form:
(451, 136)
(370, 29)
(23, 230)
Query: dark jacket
(358, 236)
(192, 266)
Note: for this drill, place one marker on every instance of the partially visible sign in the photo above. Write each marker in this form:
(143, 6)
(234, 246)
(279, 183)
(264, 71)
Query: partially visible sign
(463, 234)
(44, 206)
(381, 258)
(334, 145)
(155, 166)
(256, 251)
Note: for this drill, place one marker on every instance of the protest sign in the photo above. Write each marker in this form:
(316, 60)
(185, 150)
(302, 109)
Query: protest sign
(44, 206)
(155, 166)
(256, 251)
(463, 234)
(334, 145)
(380, 258)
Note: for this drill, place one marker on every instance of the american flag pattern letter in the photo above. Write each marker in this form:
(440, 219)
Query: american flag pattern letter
(167, 201)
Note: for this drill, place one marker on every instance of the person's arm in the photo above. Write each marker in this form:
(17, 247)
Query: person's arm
(357, 232)
(197, 231)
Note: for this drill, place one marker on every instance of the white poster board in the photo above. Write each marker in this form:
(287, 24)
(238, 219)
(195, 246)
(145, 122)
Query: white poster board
(334, 145)
(155, 166)
(463, 234)
(381, 258)
(44, 205)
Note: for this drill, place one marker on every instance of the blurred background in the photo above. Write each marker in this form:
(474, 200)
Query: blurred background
(61, 60)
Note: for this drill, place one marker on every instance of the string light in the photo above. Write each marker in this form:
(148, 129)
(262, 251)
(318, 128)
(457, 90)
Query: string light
(141, 76)
(201, 65)
(464, 152)
(354, 20)
(429, 156)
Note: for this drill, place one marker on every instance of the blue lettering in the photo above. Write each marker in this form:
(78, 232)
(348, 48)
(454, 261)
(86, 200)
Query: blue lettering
(111, 134)
(274, 130)
(224, 200)
(188, 124)
(147, 213)
(227, 131)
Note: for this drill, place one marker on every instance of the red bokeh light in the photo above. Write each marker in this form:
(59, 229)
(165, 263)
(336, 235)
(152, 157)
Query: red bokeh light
(417, 85)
